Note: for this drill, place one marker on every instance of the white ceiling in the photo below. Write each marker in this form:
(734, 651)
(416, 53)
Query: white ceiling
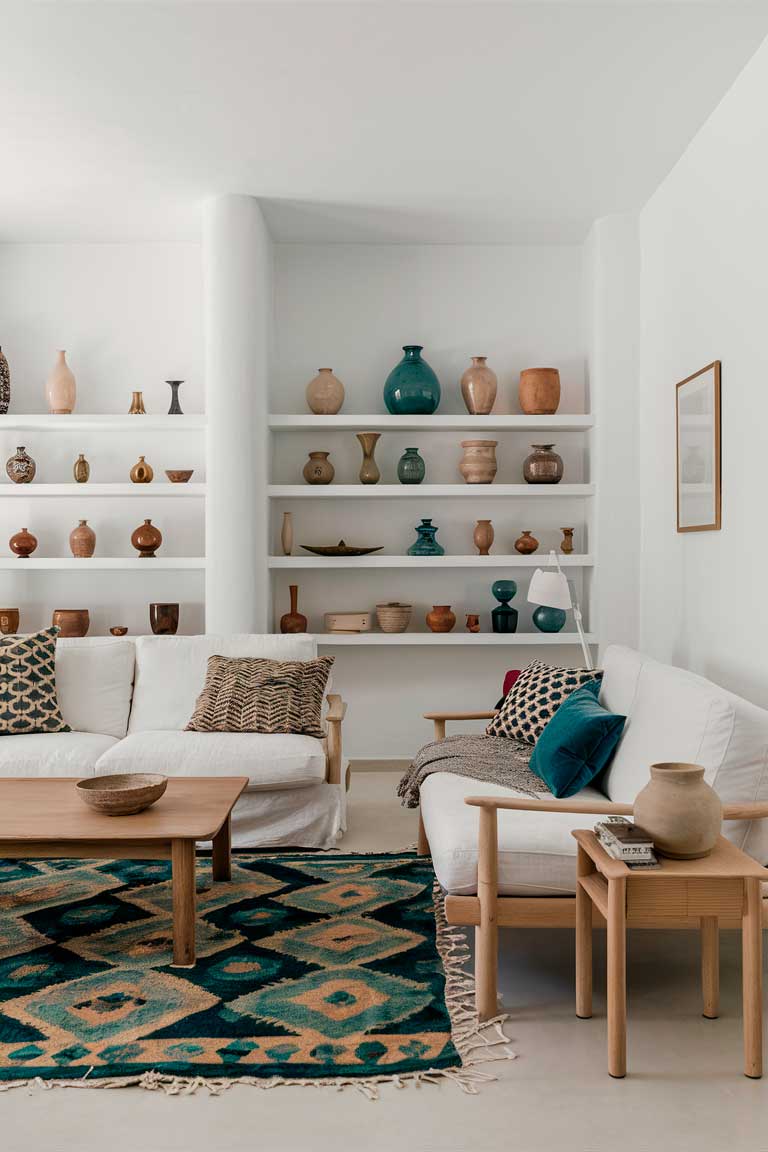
(397, 121)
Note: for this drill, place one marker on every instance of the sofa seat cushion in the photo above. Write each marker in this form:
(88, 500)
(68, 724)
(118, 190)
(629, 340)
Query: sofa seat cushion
(53, 753)
(269, 761)
(537, 854)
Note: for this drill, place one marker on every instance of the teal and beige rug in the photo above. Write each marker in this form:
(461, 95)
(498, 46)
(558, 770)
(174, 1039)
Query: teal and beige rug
(310, 968)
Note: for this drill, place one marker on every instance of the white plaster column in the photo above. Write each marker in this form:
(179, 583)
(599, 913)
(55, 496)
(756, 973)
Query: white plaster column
(237, 302)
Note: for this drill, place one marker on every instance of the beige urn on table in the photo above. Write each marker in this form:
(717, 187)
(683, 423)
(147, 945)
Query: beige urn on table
(681, 813)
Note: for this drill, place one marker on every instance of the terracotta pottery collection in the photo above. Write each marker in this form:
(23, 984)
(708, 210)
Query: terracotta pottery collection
(20, 467)
(473, 622)
(60, 388)
(9, 621)
(369, 469)
(286, 534)
(137, 405)
(293, 621)
(5, 384)
(441, 618)
(393, 617)
(478, 464)
(71, 621)
(146, 539)
(539, 391)
(142, 472)
(566, 545)
(543, 465)
(81, 470)
(325, 393)
(526, 544)
(164, 619)
(82, 540)
(680, 811)
(478, 387)
(22, 544)
(483, 537)
(318, 468)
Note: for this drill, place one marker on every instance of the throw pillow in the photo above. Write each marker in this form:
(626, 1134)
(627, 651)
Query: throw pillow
(28, 702)
(537, 694)
(578, 743)
(248, 694)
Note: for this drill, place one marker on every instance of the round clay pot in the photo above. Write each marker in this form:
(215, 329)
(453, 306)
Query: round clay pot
(526, 544)
(681, 813)
(325, 394)
(478, 387)
(473, 622)
(393, 617)
(441, 619)
(483, 536)
(23, 544)
(21, 467)
(146, 539)
(478, 464)
(164, 619)
(142, 473)
(82, 540)
(543, 466)
(9, 621)
(567, 542)
(318, 469)
(293, 621)
(71, 621)
(539, 391)
(60, 387)
(118, 630)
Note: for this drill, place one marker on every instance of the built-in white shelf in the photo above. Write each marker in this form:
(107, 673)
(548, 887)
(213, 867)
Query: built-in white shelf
(78, 491)
(379, 422)
(377, 560)
(425, 491)
(436, 639)
(96, 563)
(101, 423)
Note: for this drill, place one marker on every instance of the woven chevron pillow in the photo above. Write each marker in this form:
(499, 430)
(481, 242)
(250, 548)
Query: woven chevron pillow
(534, 698)
(255, 695)
(28, 700)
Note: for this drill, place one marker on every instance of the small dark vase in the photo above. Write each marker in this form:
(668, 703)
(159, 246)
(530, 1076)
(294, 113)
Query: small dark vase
(293, 621)
(410, 467)
(549, 619)
(412, 388)
(425, 543)
(164, 619)
(504, 618)
(543, 465)
(175, 408)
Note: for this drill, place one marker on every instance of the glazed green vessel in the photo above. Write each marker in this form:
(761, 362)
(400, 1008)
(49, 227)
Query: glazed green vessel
(425, 543)
(412, 388)
(504, 618)
(410, 467)
(549, 619)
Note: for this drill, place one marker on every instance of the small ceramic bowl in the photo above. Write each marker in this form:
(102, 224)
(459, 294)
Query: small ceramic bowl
(179, 475)
(122, 795)
(118, 630)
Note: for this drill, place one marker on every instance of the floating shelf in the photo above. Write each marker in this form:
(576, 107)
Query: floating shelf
(102, 423)
(540, 559)
(79, 491)
(436, 639)
(380, 422)
(425, 491)
(97, 563)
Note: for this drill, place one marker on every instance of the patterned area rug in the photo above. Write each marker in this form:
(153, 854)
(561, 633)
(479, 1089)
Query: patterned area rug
(310, 969)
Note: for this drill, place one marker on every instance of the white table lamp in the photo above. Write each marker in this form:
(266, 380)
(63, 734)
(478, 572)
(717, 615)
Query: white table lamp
(551, 590)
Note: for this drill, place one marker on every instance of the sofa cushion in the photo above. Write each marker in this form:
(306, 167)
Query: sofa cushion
(28, 701)
(94, 681)
(621, 673)
(269, 761)
(535, 697)
(578, 742)
(170, 672)
(52, 753)
(269, 696)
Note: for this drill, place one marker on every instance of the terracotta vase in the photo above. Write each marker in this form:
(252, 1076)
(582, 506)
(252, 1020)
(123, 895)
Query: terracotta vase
(566, 545)
(293, 621)
(71, 621)
(369, 469)
(82, 540)
(473, 622)
(81, 470)
(539, 391)
(286, 534)
(526, 544)
(318, 469)
(483, 536)
(9, 621)
(543, 465)
(5, 384)
(60, 388)
(142, 473)
(325, 393)
(137, 405)
(478, 387)
(164, 619)
(441, 619)
(680, 811)
(20, 467)
(146, 539)
(23, 544)
(478, 464)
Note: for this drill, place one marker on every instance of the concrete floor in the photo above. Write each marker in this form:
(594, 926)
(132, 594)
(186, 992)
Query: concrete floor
(685, 1089)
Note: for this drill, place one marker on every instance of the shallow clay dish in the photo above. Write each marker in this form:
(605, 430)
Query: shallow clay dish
(118, 630)
(179, 475)
(122, 795)
(340, 549)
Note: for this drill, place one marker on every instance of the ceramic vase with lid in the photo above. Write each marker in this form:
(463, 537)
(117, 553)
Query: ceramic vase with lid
(478, 464)
(71, 621)
(318, 468)
(425, 543)
(60, 388)
(539, 391)
(293, 621)
(81, 470)
(410, 467)
(369, 469)
(325, 393)
(22, 544)
(5, 384)
(82, 540)
(504, 618)
(441, 618)
(146, 539)
(21, 467)
(526, 544)
(175, 408)
(483, 537)
(142, 472)
(478, 387)
(680, 811)
(164, 619)
(543, 465)
(566, 545)
(412, 388)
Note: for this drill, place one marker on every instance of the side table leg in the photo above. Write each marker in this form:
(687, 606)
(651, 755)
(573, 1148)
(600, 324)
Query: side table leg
(183, 867)
(710, 966)
(617, 978)
(487, 934)
(583, 939)
(752, 977)
(221, 858)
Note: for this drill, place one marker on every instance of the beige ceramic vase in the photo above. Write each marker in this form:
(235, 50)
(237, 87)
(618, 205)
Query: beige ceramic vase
(681, 813)
(483, 537)
(478, 464)
(82, 541)
(478, 387)
(325, 394)
(539, 391)
(142, 473)
(318, 469)
(60, 389)
(369, 469)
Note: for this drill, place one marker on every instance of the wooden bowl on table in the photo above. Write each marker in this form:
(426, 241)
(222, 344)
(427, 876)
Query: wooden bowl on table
(122, 794)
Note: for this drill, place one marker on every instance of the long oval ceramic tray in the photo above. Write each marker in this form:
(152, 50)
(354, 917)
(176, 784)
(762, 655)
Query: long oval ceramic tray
(340, 549)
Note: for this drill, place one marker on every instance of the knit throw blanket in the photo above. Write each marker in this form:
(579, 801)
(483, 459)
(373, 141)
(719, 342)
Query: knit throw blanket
(487, 759)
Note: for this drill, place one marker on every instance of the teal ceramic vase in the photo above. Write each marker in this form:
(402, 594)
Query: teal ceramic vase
(410, 467)
(549, 619)
(425, 543)
(504, 618)
(412, 388)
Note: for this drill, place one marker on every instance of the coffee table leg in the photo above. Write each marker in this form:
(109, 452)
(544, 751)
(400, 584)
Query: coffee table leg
(583, 939)
(617, 978)
(183, 866)
(221, 862)
(710, 966)
(752, 977)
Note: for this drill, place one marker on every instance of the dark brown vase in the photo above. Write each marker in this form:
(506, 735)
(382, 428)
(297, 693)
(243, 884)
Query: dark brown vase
(82, 541)
(441, 619)
(146, 539)
(71, 621)
(9, 621)
(543, 466)
(293, 621)
(164, 619)
(526, 544)
(567, 542)
(23, 544)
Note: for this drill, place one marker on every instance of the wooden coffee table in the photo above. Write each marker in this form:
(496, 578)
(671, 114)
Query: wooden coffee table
(47, 819)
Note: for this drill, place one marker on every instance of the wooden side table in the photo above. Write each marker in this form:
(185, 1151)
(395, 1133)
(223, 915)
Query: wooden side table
(725, 884)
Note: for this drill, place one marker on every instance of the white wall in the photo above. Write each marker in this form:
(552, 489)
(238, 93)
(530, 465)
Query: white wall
(704, 253)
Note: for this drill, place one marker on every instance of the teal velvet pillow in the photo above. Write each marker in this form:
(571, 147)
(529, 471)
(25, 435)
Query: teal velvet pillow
(577, 743)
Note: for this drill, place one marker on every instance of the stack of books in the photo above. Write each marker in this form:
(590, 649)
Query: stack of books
(626, 841)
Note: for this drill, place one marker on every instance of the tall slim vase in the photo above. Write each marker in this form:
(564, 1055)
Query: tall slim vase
(175, 408)
(60, 389)
(369, 469)
(286, 534)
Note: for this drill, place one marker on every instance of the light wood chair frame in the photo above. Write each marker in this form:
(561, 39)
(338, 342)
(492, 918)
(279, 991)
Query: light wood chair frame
(334, 760)
(488, 911)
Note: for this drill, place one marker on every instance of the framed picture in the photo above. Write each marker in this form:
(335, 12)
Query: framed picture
(698, 451)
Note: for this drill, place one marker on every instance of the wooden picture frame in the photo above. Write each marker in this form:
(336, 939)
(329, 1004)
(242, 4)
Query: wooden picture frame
(698, 451)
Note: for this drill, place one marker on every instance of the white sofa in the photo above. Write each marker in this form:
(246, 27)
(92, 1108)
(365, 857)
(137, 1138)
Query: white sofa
(128, 701)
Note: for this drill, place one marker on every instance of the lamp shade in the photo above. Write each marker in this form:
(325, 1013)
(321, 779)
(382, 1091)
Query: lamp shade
(550, 589)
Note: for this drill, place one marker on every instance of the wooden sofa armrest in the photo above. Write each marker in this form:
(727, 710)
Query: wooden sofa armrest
(337, 710)
(439, 719)
(598, 807)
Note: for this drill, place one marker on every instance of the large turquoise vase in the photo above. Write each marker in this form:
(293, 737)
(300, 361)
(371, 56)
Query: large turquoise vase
(412, 388)
(425, 543)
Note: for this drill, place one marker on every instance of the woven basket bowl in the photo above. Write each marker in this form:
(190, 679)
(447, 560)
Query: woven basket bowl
(122, 795)
(393, 617)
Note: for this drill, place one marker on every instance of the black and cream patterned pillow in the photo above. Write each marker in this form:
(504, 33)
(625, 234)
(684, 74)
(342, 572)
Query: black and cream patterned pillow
(251, 694)
(534, 698)
(28, 701)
